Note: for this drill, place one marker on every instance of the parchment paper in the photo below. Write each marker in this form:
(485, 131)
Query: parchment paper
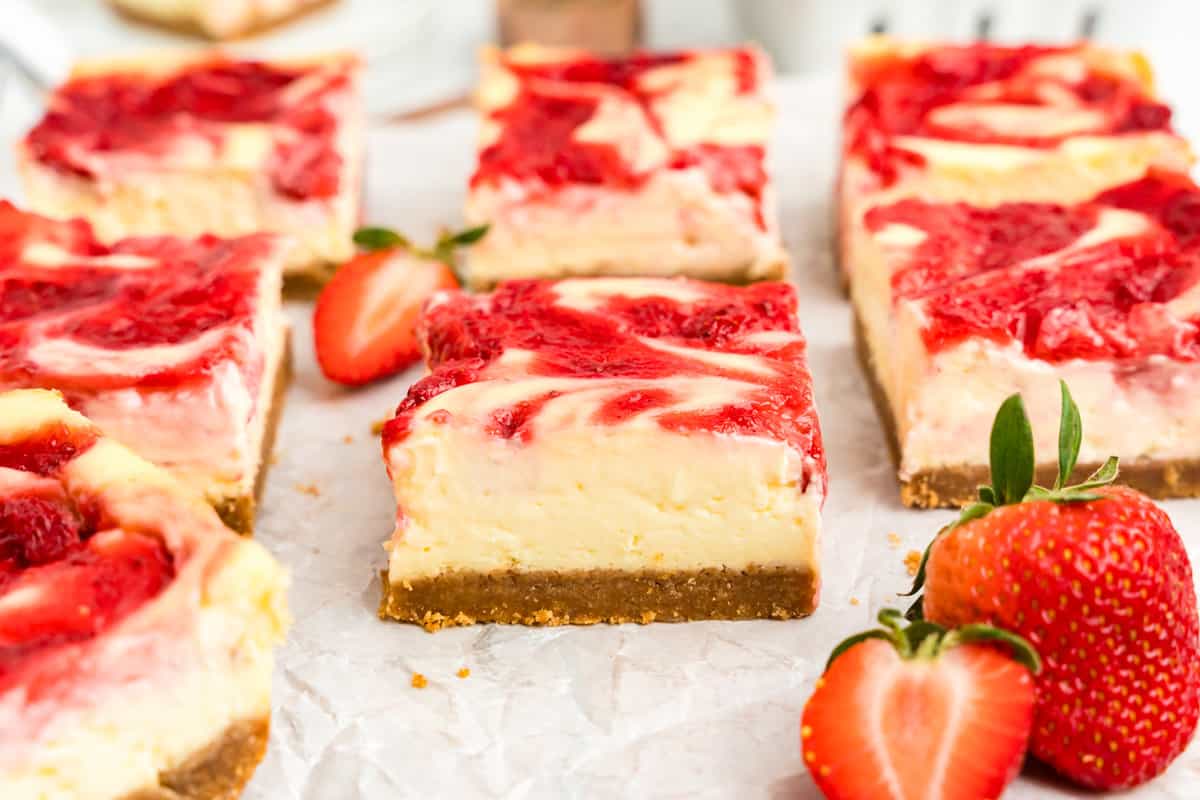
(663, 711)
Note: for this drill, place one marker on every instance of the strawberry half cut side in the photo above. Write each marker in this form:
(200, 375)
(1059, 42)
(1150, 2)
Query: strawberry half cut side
(920, 712)
(364, 324)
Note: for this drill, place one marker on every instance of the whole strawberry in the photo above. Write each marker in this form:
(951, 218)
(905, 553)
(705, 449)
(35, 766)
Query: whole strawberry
(1097, 579)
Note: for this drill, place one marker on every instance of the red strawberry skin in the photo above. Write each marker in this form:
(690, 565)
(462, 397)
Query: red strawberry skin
(1104, 591)
(365, 318)
(880, 727)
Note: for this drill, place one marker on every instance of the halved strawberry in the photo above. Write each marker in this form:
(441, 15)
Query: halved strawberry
(363, 325)
(365, 320)
(920, 712)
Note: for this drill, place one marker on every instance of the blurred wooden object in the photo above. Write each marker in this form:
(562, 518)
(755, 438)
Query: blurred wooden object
(610, 27)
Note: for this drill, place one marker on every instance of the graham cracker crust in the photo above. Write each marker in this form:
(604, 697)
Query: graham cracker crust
(217, 772)
(587, 597)
(237, 510)
(958, 486)
(193, 29)
(1162, 479)
(307, 284)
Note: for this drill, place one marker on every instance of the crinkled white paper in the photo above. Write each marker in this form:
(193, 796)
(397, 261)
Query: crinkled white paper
(690, 710)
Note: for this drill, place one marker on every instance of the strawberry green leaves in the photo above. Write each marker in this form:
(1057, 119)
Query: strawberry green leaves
(924, 639)
(1106, 474)
(464, 237)
(1070, 435)
(1013, 462)
(376, 238)
(447, 242)
(1012, 457)
(379, 239)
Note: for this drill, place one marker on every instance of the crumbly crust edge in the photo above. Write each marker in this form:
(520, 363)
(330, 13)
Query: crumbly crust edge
(590, 596)
(237, 510)
(218, 771)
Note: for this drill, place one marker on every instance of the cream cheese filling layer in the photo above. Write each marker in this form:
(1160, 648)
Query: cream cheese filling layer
(120, 746)
(675, 224)
(627, 497)
(1139, 411)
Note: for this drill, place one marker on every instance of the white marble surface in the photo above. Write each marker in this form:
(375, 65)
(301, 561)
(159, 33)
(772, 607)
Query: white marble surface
(664, 711)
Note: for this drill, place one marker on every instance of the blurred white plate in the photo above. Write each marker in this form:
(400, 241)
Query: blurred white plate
(421, 52)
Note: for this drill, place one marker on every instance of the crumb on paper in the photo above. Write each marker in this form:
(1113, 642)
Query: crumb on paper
(912, 560)
(463, 673)
(348, 439)
(853, 601)
(309, 489)
(894, 539)
(377, 426)
(419, 681)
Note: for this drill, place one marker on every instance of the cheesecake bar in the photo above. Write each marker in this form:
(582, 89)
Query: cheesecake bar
(201, 143)
(650, 165)
(607, 450)
(176, 347)
(960, 306)
(987, 124)
(136, 631)
(216, 19)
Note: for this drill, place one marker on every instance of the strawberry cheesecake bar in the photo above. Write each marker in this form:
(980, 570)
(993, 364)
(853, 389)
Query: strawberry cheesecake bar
(176, 347)
(216, 19)
(136, 631)
(607, 450)
(960, 306)
(650, 165)
(988, 124)
(195, 144)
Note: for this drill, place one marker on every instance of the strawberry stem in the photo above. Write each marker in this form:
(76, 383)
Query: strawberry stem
(378, 238)
(1021, 649)
(375, 238)
(927, 640)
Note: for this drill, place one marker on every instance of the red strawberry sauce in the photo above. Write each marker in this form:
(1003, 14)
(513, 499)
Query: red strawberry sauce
(538, 128)
(1104, 301)
(115, 113)
(466, 334)
(62, 582)
(196, 286)
(900, 94)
